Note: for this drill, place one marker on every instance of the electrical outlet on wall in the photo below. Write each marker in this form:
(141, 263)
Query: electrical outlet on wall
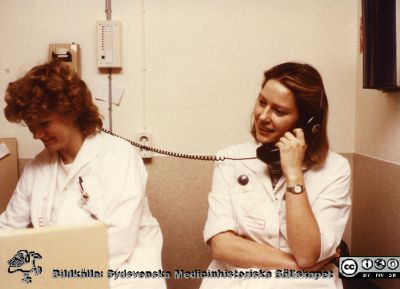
(144, 138)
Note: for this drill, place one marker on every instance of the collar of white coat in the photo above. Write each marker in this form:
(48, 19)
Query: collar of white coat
(86, 153)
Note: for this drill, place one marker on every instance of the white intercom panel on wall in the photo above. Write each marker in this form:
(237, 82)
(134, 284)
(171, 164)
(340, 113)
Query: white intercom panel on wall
(109, 44)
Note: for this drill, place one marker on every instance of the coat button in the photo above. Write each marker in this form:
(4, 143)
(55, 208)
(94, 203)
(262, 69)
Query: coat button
(243, 180)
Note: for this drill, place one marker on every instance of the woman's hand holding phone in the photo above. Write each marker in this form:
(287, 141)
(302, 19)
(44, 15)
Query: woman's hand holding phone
(292, 148)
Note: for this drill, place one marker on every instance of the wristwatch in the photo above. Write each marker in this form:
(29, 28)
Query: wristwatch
(296, 189)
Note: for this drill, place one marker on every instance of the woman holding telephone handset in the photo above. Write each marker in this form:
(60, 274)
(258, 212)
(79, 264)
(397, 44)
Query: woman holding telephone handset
(284, 210)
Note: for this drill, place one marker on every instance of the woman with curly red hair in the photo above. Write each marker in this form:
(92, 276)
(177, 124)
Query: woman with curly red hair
(82, 175)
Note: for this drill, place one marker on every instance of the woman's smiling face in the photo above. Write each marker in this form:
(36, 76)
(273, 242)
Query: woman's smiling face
(275, 112)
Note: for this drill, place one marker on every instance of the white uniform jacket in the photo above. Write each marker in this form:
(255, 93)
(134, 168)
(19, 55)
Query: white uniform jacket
(114, 177)
(257, 211)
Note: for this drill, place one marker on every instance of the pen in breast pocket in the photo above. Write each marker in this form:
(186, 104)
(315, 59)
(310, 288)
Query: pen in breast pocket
(84, 195)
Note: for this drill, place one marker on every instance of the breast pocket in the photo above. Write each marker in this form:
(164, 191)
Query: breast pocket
(250, 207)
(93, 203)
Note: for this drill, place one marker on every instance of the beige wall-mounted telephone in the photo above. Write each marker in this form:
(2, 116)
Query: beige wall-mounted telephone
(67, 52)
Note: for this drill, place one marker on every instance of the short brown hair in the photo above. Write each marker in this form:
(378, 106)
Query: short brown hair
(306, 84)
(52, 87)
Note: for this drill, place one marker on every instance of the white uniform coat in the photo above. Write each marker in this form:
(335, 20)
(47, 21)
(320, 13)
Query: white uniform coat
(114, 178)
(257, 211)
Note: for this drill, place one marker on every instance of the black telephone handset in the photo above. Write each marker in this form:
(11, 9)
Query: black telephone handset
(269, 153)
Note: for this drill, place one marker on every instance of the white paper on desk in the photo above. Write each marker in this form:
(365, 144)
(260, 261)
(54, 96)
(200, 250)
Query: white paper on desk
(100, 92)
(3, 150)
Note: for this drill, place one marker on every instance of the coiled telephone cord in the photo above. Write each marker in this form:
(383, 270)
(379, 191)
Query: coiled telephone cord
(174, 154)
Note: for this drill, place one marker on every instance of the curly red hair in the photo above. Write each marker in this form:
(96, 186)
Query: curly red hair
(48, 88)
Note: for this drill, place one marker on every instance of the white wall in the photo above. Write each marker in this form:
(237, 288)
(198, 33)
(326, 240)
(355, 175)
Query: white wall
(377, 122)
(378, 125)
(204, 61)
